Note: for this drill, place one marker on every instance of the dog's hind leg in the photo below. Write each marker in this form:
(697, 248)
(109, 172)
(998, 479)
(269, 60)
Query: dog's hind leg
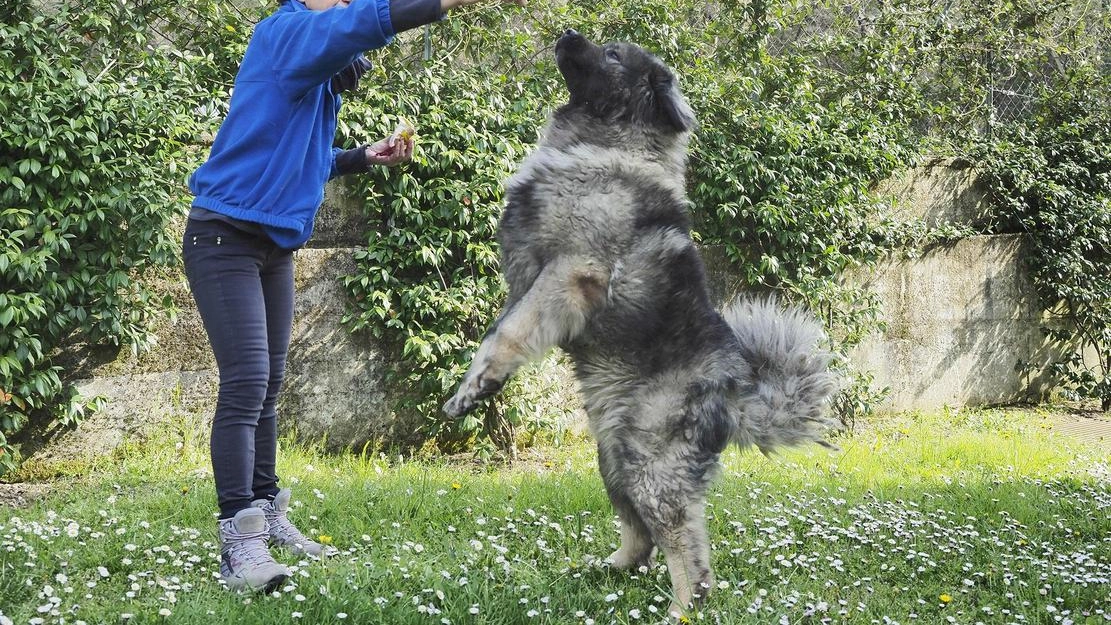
(687, 551)
(673, 507)
(553, 310)
(637, 548)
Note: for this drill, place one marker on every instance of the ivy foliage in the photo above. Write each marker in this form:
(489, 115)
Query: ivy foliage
(428, 282)
(803, 106)
(1050, 177)
(99, 120)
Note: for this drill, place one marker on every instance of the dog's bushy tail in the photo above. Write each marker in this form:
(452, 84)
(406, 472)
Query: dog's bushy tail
(785, 399)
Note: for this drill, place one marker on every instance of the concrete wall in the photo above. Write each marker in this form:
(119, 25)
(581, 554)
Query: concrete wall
(944, 190)
(960, 322)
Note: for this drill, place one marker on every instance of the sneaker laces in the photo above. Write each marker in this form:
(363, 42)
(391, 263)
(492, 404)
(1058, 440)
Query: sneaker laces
(244, 547)
(282, 530)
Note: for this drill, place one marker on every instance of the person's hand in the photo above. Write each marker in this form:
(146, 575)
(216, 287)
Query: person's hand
(447, 5)
(389, 151)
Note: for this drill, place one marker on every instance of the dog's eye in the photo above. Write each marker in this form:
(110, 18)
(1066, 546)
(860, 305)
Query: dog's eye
(612, 55)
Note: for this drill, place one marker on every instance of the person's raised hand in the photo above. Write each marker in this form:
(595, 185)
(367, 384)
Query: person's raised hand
(390, 151)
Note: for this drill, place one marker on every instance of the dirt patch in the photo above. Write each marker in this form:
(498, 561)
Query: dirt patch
(21, 495)
(1091, 426)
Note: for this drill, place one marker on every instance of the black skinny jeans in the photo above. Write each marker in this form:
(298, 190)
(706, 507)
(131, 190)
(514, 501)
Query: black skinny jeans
(243, 286)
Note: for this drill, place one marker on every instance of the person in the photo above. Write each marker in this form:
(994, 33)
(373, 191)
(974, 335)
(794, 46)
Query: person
(255, 202)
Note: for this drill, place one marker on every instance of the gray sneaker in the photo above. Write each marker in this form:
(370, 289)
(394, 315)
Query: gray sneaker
(245, 562)
(282, 531)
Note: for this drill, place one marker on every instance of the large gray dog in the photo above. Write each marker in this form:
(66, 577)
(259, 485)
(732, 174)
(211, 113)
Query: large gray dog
(597, 253)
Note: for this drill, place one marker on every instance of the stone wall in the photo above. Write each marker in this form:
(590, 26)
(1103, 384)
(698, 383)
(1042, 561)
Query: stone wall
(961, 320)
(334, 388)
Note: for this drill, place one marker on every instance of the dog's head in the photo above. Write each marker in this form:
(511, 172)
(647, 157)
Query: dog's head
(622, 81)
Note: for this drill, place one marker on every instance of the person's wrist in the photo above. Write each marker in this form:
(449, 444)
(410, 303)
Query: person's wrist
(447, 5)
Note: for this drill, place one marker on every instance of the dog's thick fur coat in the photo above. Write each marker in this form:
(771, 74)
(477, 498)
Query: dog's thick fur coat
(599, 261)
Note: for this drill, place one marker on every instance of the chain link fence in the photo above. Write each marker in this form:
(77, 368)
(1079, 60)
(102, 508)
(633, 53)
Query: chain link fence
(979, 80)
(999, 77)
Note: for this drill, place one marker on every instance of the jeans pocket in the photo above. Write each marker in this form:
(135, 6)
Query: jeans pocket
(215, 232)
(210, 247)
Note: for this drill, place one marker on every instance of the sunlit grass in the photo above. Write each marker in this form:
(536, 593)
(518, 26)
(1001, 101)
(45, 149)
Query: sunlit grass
(975, 517)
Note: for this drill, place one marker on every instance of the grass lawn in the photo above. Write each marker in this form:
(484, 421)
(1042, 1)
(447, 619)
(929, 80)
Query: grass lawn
(982, 517)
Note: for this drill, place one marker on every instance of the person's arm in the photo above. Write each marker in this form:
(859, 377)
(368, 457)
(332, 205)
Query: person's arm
(343, 163)
(447, 5)
(359, 160)
(409, 14)
(309, 47)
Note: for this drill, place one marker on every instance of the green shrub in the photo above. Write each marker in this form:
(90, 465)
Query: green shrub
(428, 280)
(802, 108)
(98, 123)
(781, 166)
(1050, 178)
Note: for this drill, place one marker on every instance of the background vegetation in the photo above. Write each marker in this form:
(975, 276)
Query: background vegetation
(802, 108)
(1051, 179)
(100, 128)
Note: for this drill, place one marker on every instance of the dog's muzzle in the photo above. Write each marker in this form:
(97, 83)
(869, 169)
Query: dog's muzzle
(569, 39)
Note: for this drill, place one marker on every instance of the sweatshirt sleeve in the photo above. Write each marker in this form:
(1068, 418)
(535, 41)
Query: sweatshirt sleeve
(346, 162)
(408, 14)
(308, 47)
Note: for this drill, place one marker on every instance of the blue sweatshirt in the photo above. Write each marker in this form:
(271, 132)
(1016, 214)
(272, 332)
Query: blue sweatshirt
(273, 153)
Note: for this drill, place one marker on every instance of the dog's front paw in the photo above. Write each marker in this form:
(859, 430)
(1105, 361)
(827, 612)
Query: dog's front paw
(459, 405)
(469, 394)
(625, 560)
(618, 560)
(677, 613)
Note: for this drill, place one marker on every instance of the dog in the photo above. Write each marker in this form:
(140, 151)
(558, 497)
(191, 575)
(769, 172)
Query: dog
(597, 255)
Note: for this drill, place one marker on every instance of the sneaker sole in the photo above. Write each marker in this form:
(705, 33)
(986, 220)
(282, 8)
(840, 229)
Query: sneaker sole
(297, 550)
(270, 586)
(273, 584)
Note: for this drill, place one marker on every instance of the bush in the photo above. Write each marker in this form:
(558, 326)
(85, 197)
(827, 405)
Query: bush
(428, 281)
(1050, 178)
(802, 106)
(781, 166)
(98, 124)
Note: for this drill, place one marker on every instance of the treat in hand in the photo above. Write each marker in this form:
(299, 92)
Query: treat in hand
(394, 149)
(404, 131)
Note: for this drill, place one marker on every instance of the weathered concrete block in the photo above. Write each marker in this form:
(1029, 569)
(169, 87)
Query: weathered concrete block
(139, 404)
(335, 380)
(940, 191)
(962, 323)
(333, 390)
(340, 223)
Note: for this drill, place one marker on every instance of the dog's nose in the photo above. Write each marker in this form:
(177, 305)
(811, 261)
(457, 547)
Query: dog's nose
(570, 32)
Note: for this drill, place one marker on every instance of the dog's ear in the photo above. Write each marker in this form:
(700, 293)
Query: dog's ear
(671, 104)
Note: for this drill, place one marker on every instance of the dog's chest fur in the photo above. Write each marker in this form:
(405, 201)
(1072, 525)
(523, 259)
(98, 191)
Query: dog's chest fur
(587, 201)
